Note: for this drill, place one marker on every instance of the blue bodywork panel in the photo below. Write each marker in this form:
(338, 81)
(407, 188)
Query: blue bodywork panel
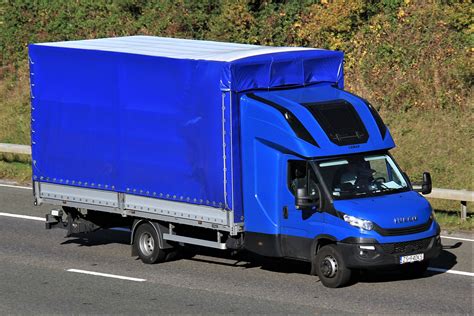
(155, 116)
(269, 142)
(382, 210)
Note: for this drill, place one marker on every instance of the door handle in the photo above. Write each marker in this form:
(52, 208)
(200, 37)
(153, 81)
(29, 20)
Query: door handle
(285, 212)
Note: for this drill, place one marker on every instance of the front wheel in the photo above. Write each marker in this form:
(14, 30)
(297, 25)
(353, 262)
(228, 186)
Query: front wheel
(331, 268)
(146, 244)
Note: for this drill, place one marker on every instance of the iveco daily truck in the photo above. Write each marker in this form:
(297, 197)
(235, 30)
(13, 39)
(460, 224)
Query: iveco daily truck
(222, 145)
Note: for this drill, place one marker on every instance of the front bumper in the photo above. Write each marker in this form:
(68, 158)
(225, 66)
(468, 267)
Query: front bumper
(388, 254)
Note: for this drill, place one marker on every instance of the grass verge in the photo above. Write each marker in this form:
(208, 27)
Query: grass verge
(451, 221)
(19, 172)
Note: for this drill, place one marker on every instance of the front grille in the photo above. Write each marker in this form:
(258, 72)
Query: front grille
(404, 230)
(407, 246)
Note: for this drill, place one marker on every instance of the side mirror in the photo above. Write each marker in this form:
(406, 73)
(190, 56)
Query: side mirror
(305, 201)
(426, 185)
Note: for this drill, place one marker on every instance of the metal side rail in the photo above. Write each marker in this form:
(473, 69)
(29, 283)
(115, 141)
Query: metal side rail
(134, 206)
(195, 241)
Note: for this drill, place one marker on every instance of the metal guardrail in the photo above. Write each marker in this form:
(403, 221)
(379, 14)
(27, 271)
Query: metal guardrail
(463, 196)
(15, 149)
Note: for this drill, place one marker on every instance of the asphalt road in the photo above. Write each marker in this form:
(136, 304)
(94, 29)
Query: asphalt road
(34, 278)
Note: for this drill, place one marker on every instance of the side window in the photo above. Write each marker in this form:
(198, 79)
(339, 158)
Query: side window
(297, 175)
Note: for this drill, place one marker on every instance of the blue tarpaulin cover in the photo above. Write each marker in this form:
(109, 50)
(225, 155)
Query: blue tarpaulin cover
(155, 116)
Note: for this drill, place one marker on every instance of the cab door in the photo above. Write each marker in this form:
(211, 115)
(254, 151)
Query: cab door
(299, 226)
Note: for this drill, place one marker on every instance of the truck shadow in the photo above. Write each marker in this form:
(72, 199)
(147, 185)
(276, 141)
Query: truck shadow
(445, 261)
(99, 238)
(247, 260)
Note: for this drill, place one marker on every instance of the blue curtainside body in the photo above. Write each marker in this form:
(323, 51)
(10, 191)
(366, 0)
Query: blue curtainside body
(154, 116)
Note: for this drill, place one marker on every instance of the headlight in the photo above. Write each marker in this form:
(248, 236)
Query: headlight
(358, 222)
(432, 215)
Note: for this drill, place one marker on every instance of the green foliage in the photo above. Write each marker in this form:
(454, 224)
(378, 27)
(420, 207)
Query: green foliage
(400, 53)
(234, 22)
(276, 23)
(331, 24)
(184, 19)
(24, 22)
(418, 57)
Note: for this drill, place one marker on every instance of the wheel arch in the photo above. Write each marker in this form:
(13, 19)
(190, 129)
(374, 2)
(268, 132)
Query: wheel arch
(160, 229)
(322, 240)
(318, 242)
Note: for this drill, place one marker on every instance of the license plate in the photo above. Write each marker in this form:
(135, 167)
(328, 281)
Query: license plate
(412, 258)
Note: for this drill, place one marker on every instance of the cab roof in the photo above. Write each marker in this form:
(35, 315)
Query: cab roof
(326, 120)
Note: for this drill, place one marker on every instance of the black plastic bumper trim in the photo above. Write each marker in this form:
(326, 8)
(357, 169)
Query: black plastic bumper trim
(379, 258)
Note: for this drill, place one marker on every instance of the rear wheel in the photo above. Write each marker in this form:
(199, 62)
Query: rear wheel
(146, 244)
(331, 268)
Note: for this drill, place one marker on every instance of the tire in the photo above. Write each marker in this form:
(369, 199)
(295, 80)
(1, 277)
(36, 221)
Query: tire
(415, 269)
(146, 245)
(331, 268)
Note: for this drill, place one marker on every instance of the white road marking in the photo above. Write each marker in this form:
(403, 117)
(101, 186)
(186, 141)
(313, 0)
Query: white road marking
(14, 186)
(451, 271)
(106, 275)
(457, 238)
(35, 218)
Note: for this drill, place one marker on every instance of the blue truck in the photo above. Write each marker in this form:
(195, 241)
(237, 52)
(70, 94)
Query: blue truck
(223, 145)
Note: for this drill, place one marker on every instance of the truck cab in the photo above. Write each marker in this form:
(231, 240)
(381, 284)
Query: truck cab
(321, 185)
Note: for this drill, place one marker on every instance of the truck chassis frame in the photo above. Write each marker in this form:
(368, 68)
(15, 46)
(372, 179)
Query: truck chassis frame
(141, 207)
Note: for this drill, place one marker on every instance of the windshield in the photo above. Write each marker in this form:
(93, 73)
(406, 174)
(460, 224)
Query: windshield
(361, 176)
